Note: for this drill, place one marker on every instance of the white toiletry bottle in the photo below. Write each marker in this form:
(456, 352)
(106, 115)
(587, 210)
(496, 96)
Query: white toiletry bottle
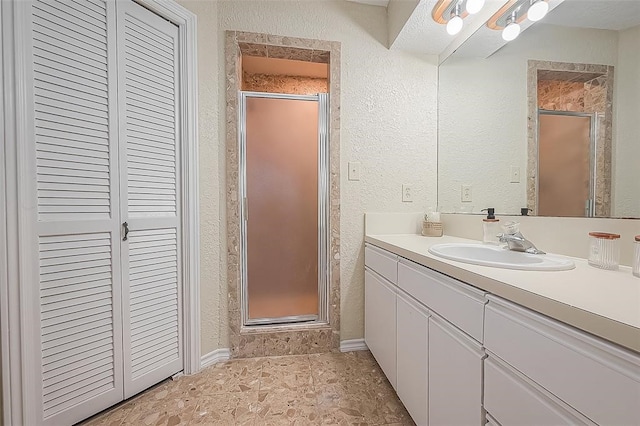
(490, 227)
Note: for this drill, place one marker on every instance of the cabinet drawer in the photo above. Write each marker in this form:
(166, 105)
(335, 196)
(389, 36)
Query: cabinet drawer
(491, 421)
(598, 379)
(461, 305)
(382, 262)
(514, 400)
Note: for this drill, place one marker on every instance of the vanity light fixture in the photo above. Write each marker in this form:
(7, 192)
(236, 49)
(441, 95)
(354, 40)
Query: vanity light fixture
(474, 6)
(537, 10)
(512, 30)
(455, 23)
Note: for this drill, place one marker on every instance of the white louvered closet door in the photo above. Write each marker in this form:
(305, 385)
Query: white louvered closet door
(150, 187)
(76, 350)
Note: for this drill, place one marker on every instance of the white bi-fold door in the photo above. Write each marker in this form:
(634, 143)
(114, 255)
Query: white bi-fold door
(103, 299)
(150, 202)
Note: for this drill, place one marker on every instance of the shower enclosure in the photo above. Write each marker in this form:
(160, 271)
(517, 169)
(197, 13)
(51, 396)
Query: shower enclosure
(284, 176)
(566, 163)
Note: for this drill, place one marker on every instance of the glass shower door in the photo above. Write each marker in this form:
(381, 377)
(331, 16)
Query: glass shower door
(566, 164)
(282, 205)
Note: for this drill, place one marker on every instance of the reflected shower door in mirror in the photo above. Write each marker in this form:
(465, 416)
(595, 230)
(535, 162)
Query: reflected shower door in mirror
(284, 170)
(488, 109)
(566, 164)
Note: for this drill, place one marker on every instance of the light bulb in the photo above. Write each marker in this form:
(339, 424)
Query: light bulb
(474, 6)
(511, 31)
(538, 10)
(454, 25)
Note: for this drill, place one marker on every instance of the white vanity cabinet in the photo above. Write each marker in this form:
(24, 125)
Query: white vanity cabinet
(597, 379)
(380, 309)
(412, 352)
(455, 376)
(454, 355)
(457, 355)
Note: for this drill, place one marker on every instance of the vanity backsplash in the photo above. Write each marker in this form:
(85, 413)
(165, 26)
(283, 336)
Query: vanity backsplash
(567, 236)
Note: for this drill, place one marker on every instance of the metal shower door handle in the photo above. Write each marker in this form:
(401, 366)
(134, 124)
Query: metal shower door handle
(126, 231)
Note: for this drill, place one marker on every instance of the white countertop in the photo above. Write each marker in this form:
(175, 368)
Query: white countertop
(604, 303)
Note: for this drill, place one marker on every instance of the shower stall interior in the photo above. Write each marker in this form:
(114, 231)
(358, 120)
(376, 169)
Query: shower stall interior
(284, 184)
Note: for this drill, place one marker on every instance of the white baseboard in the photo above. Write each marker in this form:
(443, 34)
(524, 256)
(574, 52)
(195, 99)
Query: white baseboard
(353, 345)
(219, 355)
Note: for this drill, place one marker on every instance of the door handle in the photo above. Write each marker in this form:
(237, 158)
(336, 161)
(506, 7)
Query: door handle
(126, 231)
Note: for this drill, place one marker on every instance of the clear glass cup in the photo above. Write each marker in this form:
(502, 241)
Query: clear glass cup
(636, 257)
(604, 250)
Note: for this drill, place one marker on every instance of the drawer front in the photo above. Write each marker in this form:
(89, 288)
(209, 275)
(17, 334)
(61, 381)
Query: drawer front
(491, 421)
(458, 303)
(382, 262)
(513, 400)
(598, 379)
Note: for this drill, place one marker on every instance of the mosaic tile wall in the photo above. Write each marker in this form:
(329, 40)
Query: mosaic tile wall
(285, 339)
(284, 84)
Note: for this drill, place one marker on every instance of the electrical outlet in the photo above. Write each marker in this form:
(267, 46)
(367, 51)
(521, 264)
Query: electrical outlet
(354, 170)
(515, 174)
(407, 194)
(465, 194)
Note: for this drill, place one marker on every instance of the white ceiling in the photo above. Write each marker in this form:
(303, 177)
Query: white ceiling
(421, 34)
(614, 15)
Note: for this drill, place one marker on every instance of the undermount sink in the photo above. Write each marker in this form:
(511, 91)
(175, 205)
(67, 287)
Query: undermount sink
(498, 257)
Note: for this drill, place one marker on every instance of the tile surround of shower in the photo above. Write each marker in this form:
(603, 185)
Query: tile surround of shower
(286, 339)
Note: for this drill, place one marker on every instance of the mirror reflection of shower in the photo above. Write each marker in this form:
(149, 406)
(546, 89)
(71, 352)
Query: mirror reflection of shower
(566, 163)
(284, 193)
(573, 154)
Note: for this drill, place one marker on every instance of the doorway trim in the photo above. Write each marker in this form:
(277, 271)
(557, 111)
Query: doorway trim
(292, 338)
(15, 399)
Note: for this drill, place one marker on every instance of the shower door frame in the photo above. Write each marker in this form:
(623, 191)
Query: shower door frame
(590, 207)
(323, 212)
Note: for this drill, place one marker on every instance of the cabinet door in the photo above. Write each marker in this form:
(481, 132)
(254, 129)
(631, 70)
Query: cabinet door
(150, 194)
(73, 358)
(412, 357)
(455, 376)
(380, 322)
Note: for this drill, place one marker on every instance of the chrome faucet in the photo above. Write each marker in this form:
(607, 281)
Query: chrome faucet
(517, 242)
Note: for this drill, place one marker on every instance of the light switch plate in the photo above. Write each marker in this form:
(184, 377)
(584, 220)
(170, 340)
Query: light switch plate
(354, 170)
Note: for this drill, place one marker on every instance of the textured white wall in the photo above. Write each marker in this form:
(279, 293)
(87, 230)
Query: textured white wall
(212, 160)
(626, 171)
(388, 113)
(388, 119)
(483, 113)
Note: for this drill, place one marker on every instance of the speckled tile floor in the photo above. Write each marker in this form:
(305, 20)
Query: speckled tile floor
(336, 388)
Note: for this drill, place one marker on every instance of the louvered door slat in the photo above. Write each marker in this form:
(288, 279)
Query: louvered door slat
(61, 375)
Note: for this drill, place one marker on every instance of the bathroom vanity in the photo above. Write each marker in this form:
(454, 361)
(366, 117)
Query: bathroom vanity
(468, 345)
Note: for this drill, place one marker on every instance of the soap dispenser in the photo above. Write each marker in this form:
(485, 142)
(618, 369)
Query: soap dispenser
(490, 227)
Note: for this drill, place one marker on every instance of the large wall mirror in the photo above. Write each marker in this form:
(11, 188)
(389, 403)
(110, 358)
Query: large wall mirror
(549, 121)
